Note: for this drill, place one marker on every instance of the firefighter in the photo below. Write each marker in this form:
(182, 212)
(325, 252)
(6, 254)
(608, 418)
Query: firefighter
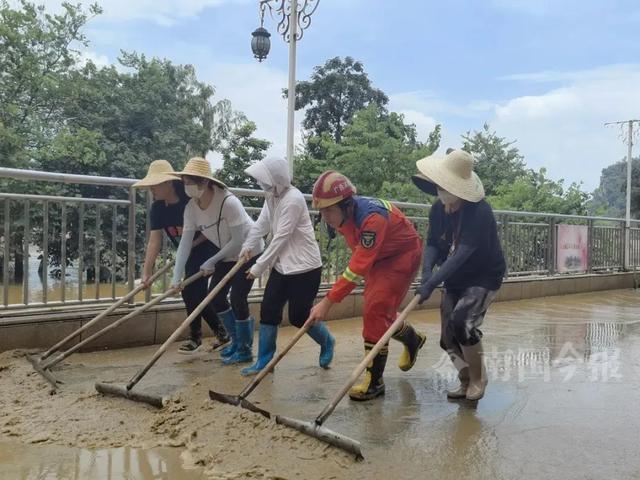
(386, 252)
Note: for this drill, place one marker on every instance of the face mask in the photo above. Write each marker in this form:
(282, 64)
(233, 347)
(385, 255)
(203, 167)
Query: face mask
(193, 190)
(446, 197)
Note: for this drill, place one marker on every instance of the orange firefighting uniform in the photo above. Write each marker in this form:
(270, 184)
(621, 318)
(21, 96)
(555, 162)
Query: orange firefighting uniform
(386, 251)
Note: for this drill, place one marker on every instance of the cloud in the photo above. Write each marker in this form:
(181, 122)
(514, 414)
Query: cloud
(98, 59)
(563, 128)
(162, 12)
(256, 90)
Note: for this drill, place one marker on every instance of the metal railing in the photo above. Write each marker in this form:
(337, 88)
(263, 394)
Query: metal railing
(91, 248)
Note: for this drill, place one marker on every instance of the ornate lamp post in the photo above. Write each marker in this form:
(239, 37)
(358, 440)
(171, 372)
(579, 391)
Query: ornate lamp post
(294, 17)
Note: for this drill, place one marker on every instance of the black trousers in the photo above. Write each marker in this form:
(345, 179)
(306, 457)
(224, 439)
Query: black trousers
(299, 290)
(196, 292)
(240, 286)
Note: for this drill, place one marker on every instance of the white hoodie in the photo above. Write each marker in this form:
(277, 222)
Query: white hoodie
(293, 248)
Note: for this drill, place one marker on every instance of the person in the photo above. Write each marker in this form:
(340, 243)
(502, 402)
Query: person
(292, 258)
(386, 253)
(462, 240)
(219, 215)
(166, 215)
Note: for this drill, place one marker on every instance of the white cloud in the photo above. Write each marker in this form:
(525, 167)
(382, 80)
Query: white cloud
(561, 129)
(162, 12)
(98, 59)
(256, 90)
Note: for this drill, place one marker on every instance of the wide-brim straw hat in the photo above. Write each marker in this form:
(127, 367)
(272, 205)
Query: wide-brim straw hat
(159, 171)
(452, 172)
(199, 167)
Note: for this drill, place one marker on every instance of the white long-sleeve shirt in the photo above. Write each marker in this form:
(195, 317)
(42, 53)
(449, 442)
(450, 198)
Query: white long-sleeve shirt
(293, 248)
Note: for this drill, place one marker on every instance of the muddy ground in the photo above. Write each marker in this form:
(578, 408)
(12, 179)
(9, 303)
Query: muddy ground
(562, 403)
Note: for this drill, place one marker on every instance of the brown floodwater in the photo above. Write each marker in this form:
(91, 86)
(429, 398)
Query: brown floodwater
(51, 462)
(562, 402)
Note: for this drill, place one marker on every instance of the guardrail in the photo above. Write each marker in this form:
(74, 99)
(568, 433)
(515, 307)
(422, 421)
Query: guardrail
(90, 249)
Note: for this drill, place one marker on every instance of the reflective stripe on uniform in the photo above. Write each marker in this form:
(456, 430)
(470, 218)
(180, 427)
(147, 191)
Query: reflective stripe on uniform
(351, 277)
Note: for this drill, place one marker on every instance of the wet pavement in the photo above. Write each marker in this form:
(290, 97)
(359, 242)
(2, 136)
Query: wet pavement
(563, 399)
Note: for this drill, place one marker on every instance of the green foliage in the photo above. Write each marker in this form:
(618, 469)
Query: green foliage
(609, 199)
(498, 162)
(377, 148)
(242, 150)
(335, 92)
(535, 192)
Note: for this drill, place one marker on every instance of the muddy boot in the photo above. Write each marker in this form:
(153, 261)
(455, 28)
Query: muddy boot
(477, 373)
(229, 322)
(244, 341)
(461, 391)
(320, 334)
(373, 384)
(266, 349)
(413, 342)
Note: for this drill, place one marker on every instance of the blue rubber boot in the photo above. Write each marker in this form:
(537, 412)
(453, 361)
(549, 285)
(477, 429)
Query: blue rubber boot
(244, 340)
(229, 321)
(266, 349)
(320, 333)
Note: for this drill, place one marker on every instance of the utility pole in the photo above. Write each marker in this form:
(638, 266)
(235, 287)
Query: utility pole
(627, 230)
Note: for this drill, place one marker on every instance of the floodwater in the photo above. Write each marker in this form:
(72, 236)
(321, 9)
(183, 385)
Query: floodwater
(50, 462)
(562, 402)
(104, 290)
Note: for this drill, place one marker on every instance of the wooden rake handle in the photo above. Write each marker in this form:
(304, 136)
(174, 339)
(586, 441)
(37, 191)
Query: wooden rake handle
(163, 348)
(104, 313)
(126, 318)
(274, 361)
(395, 326)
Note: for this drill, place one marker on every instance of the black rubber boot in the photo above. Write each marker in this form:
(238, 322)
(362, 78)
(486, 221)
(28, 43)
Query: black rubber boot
(372, 385)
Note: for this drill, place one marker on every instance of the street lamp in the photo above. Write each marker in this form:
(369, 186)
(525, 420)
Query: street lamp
(294, 17)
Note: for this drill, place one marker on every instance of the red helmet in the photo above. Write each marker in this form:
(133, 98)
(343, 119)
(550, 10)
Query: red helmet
(331, 188)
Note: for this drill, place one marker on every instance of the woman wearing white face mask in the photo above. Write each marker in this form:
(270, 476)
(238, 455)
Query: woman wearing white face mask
(463, 241)
(293, 256)
(219, 215)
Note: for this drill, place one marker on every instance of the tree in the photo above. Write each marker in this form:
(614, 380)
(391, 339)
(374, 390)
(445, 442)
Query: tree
(36, 60)
(609, 199)
(534, 192)
(377, 149)
(242, 150)
(335, 92)
(498, 162)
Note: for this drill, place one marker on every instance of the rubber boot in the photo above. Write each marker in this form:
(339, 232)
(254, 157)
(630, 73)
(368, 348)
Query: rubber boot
(477, 373)
(244, 340)
(373, 384)
(320, 334)
(229, 322)
(461, 391)
(266, 349)
(413, 342)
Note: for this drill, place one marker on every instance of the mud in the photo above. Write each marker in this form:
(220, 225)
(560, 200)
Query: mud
(562, 403)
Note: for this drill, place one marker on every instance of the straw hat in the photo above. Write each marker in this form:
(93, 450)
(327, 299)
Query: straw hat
(199, 167)
(159, 171)
(452, 172)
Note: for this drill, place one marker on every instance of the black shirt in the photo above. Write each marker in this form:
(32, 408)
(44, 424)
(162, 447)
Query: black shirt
(475, 226)
(168, 217)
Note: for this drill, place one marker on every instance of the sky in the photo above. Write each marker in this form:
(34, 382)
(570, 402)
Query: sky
(547, 74)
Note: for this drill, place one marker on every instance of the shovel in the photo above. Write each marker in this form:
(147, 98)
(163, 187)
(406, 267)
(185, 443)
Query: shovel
(315, 428)
(241, 399)
(158, 400)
